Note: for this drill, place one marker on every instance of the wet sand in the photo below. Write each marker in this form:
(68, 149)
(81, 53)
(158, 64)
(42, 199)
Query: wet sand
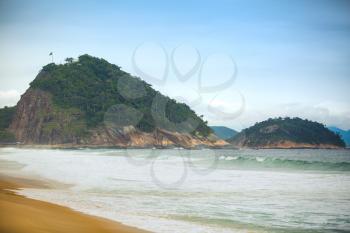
(19, 214)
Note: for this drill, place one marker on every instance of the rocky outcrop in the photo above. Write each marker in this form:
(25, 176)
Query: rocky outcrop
(131, 137)
(284, 144)
(38, 121)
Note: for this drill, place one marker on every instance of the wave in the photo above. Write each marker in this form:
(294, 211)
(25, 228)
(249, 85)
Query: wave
(281, 163)
(245, 226)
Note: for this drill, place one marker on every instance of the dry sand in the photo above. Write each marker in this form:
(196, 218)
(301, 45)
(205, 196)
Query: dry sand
(19, 214)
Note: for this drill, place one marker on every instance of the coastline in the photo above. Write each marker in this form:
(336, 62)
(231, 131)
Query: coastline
(19, 214)
(106, 185)
(102, 146)
(226, 147)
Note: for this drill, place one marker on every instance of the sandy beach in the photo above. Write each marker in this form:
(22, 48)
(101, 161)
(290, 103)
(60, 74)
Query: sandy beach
(19, 214)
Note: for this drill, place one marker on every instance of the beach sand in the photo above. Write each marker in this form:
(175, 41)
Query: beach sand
(19, 214)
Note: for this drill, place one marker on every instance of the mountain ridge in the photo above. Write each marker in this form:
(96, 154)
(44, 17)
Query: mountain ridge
(345, 134)
(223, 132)
(91, 103)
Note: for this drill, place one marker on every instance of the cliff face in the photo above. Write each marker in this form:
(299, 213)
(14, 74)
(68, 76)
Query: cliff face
(26, 124)
(287, 133)
(38, 121)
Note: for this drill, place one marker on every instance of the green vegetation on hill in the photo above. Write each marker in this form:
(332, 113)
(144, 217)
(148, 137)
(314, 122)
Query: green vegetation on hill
(6, 115)
(287, 129)
(92, 85)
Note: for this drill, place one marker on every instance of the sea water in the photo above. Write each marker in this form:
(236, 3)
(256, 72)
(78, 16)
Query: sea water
(198, 190)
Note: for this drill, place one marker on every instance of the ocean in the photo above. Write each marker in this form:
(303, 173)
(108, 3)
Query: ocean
(180, 190)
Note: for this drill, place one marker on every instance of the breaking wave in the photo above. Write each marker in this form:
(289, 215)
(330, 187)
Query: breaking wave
(281, 163)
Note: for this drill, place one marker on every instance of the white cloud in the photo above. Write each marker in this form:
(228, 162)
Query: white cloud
(9, 98)
(328, 113)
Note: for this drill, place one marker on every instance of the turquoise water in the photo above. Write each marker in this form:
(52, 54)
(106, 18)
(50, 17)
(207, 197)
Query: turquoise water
(198, 190)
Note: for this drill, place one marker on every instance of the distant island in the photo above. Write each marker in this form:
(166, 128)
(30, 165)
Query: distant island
(90, 102)
(287, 133)
(344, 134)
(223, 132)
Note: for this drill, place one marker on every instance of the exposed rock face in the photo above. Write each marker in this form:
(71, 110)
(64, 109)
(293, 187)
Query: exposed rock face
(27, 123)
(284, 144)
(38, 121)
(131, 137)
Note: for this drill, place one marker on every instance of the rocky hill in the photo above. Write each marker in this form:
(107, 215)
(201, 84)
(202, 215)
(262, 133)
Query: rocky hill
(287, 133)
(90, 102)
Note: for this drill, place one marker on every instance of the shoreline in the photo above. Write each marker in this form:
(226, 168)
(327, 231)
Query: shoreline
(19, 214)
(78, 147)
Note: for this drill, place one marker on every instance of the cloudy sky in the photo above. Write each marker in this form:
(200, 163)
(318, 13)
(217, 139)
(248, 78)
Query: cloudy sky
(235, 62)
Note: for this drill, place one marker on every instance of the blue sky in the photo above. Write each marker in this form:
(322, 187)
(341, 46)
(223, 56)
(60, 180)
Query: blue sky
(292, 57)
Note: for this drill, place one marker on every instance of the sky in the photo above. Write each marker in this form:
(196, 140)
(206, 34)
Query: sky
(235, 62)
